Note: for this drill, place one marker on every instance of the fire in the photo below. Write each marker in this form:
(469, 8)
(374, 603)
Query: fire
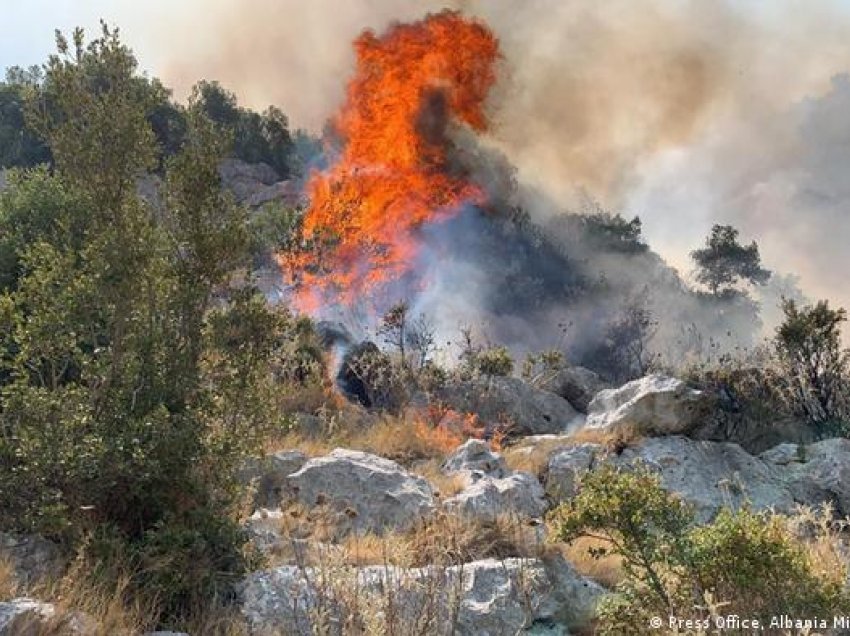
(393, 174)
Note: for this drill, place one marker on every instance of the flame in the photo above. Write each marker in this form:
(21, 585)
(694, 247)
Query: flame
(393, 174)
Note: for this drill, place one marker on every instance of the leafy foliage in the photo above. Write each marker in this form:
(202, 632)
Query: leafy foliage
(136, 369)
(817, 368)
(723, 262)
(743, 562)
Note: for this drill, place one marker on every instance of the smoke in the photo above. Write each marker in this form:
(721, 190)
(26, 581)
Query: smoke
(686, 113)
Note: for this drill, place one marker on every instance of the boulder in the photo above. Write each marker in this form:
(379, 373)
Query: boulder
(33, 558)
(818, 473)
(25, 616)
(483, 598)
(475, 455)
(264, 529)
(510, 401)
(576, 385)
(29, 617)
(376, 494)
(711, 475)
(269, 473)
(653, 405)
(517, 494)
(567, 465)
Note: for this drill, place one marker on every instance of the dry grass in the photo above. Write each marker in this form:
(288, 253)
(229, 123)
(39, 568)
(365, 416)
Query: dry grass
(825, 539)
(406, 439)
(445, 485)
(8, 580)
(443, 539)
(606, 570)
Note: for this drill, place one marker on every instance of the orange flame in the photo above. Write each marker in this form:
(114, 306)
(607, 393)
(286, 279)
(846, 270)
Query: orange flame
(393, 174)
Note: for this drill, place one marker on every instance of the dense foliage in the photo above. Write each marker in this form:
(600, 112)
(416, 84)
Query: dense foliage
(136, 368)
(743, 563)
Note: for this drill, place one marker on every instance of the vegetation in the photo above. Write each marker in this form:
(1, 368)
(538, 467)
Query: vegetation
(742, 563)
(816, 378)
(724, 262)
(135, 370)
(255, 137)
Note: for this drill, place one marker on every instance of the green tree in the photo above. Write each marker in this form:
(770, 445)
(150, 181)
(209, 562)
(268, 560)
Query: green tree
(125, 409)
(816, 374)
(19, 145)
(724, 262)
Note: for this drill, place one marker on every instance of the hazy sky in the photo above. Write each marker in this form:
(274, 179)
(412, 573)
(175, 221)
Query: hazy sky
(687, 112)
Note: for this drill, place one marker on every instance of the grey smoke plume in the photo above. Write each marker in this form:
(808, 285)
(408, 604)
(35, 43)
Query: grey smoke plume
(687, 113)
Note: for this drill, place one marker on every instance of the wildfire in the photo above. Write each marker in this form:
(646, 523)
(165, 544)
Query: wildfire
(393, 174)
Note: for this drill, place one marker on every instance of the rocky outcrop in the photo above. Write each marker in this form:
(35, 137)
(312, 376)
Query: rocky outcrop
(475, 456)
(485, 597)
(576, 385)
(711, 475)
(513, 403)
(256, 184)
(375, 494)
(268, 475)
(815, 473)
(708, 475)
(653, 405)
(33, 559)
(566, 466)
(517, 494)
(29, 617)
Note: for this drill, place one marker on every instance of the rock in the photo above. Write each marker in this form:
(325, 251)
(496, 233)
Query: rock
(33, 558)
(502, 400)
(782, 455)
(485, 597)
(269, 474)
(653, 405)
(2, 180)
(821, 474)
(711, 475)
(576, 385)
(475, 455)
(25, 617)
(29, 617)
(519, 494)
(754, 435)
(376, 493)
(566, 466)
(264, 529)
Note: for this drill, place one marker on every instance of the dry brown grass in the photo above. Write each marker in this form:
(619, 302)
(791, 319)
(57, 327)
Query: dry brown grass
(8, 580)
(606, 570)
(405, 439)
(443, 539)
(445, 485)
(825, 539)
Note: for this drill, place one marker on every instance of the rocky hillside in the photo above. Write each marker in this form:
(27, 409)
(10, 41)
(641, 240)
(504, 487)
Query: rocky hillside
(463, 543)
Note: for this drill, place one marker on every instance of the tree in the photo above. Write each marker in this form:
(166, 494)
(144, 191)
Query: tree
(126, 407)
(817, 369)
(19, 145)
(724, 262)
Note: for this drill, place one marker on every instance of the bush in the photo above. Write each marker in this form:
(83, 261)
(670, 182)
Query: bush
(817, 369)
(746, 563)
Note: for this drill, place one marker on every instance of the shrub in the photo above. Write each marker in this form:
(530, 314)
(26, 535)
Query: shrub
(748, 563)
(817, 368)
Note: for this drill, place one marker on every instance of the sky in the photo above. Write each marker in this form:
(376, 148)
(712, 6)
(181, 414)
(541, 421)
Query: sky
(686, 112)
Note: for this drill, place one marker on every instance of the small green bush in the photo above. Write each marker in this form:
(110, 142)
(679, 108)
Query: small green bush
(743, 562)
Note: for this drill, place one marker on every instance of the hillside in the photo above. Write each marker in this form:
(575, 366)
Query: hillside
(256, 382)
